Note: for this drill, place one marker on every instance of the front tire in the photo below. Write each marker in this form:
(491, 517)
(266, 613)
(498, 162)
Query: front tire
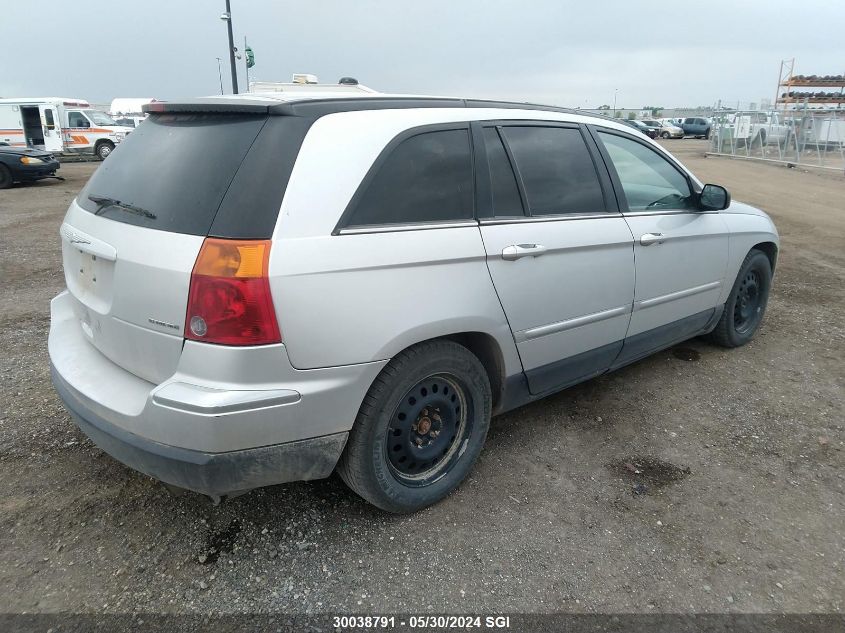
(420, 428)
(746, 305)
(664, 135)
(104, 149)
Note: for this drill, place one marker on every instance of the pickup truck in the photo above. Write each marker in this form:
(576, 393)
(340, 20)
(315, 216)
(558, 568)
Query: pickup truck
(764, 128)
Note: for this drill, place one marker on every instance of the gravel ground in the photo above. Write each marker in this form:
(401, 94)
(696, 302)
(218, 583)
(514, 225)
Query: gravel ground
(737, 505)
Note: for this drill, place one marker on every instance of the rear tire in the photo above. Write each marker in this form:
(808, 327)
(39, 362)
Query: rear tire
(664, 135)
(746, 305)
(420, 428)
(5, 177)
(104, 149)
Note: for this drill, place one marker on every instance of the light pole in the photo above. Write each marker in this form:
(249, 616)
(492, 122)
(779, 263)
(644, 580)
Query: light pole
(615, 90)
(227, 17)
(246, 64)
(220, 74)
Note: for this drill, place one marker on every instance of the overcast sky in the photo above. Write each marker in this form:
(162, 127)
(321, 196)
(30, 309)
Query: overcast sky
(565, 53)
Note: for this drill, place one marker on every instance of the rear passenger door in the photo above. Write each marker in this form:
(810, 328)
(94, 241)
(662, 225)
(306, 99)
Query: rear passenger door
(681, 252)
(559, 252)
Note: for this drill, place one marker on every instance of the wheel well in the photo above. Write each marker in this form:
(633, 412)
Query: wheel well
(771, 251)
(100, 142)
(487, 350)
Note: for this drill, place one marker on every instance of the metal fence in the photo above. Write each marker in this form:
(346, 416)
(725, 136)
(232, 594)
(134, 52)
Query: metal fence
(809, 137)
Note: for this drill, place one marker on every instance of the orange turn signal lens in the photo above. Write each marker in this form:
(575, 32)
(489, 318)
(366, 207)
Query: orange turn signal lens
(243, 259)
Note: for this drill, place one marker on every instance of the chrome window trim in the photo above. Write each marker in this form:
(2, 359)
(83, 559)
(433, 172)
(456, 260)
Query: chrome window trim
(634, 214)
(563, 217)
(395, 228)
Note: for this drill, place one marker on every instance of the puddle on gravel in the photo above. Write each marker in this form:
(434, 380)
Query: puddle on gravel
(647, 473)
(219, 542)
(686, 353)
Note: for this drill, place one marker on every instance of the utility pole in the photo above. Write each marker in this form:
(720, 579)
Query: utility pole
(220, 74)
(615, 90)
(227, 17)
(246, 64)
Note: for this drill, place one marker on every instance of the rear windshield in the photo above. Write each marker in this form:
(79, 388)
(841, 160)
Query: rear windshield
(177, 171)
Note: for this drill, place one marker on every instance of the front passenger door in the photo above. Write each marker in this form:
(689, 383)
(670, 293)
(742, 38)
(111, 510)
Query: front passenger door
(681, 253)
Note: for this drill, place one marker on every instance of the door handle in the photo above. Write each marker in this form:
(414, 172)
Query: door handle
(652, 238)
(517, 251)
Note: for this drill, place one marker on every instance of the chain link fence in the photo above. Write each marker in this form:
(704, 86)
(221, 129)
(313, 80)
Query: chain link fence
(808, 137)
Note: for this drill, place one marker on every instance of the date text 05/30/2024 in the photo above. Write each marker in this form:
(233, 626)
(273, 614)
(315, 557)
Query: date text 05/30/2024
(421, 622)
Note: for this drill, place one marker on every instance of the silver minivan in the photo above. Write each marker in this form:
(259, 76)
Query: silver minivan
(263, 289)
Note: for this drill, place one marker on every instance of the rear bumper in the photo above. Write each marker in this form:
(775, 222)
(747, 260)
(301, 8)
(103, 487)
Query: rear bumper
(227, 420)
(213, 474)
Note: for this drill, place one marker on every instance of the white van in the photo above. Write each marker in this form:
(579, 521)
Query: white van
(59, 125)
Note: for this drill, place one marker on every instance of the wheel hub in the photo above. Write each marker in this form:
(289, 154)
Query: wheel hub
(748, 301)
(425, 428)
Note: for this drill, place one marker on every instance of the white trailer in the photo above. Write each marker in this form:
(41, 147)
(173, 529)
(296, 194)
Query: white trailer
(129, 110)
(59, 125)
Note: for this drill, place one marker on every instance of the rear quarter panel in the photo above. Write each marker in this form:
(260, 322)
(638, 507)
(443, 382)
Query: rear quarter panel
(356, 298)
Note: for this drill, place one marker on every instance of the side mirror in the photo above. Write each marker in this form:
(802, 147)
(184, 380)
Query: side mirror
(714, 198)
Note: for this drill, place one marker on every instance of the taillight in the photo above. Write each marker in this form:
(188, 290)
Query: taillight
(229, 302)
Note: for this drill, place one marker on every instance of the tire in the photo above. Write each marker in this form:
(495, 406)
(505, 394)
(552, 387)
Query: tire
(6, 179)
(746, 304)
(664, 135)
(439, 387)
(104, 149)
(707, 135)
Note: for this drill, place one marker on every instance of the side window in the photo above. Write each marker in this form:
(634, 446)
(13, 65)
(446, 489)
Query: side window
(76, 119)
(506, 200)
(556, 168)
(650, 182)
(426, 178)
(48, 118)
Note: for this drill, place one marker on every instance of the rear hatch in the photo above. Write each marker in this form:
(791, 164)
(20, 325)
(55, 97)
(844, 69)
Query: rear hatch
(131, 238)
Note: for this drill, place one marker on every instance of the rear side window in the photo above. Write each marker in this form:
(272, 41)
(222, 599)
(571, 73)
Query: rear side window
(173, 173)
(426, 178)
(506, 200)
(556, 168)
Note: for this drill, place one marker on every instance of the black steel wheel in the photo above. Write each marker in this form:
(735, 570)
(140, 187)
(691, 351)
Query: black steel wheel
(743, 311)
(747, 305)
(427, 428)
(420, 428)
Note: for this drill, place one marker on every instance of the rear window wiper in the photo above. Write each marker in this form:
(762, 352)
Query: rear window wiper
(104, 202)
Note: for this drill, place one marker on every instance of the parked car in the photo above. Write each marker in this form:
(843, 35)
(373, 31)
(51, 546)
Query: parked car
(359, 284)
(23, 164)
(649, 131)
(697, 127)
(664, 130)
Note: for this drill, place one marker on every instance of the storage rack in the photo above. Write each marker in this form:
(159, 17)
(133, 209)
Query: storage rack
(788, 82)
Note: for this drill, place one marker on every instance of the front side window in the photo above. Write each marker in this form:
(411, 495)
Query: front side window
(650, 182)
(77, 119)
(426, 178)
(100, 118)
(556, 168)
